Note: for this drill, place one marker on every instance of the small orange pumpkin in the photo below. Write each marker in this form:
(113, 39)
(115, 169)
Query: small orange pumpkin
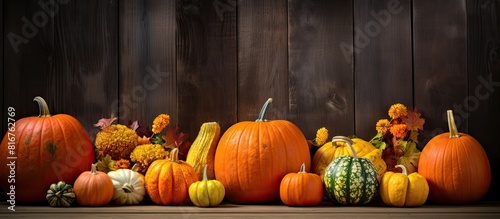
(455, 166)
(93, 188)
(168, 181)
(301, 189)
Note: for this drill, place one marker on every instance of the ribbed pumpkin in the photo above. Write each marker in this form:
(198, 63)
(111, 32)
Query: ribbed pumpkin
(401, 189)
(49, 148)
(206, 193)
(129, 186)
(168, 181)
(350, 180)
(252, 158)
(60, 194)
(301, 189)
(93, 188)
(329, 151)
(455, 166)
(202, 151)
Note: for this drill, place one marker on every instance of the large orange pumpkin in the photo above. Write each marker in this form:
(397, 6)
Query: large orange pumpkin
(48, 149)
(168, 181)
(455, 166)
(252, 158)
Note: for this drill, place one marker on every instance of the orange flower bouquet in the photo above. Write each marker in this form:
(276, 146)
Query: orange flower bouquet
(397, 137)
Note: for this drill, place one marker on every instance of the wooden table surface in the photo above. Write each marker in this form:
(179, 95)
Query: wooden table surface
(227, 210)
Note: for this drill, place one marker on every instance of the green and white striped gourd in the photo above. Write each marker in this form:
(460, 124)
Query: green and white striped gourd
(350, 180)
(60, 195)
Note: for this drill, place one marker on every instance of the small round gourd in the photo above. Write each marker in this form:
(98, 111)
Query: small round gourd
(401, 189)
(60, 194)
(350, 180)
(129, 187)
(329, 151)
(206, 193)
(301, 189)
(93, 188)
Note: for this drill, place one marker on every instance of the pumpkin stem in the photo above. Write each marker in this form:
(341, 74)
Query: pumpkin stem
(451, 125)
(128, 188)
(42, 106)
(205, 178)
(403, 168)
(263, 111)
(349, 143)
(303, 168)
(174, 155)
(93, 169)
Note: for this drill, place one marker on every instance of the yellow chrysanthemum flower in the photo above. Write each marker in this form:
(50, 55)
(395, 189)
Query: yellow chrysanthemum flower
(144, 155)
(321, 136)
(398, 110)
(383, 126)
(116, 140)
(160, 122)
(399, 130)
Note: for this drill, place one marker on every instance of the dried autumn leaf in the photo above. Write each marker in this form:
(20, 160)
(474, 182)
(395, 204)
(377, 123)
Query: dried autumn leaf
(134, 125)
(413, 120)
(103, 122)
(141, 130)
(106, 164)
(410, 157)
(176, 139)
(143, 140)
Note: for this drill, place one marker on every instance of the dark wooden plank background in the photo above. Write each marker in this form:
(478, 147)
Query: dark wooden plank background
(320, 73)
(147, 61)
(383, 64)
(483, 63)
(440, 28)
(338, 64)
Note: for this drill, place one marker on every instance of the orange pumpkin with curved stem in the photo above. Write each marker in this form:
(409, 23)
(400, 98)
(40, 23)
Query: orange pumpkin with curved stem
(455, 166)
(93, 188)
(49, 148)
(253, 156)
(301, 189)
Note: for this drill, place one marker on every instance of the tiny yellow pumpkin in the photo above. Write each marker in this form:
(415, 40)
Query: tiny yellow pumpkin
(206, 193)
(400, 189)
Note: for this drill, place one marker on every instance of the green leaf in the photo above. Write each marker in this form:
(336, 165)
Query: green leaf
(157, 139)
(402, 145)
(106, 164)
(378, 141)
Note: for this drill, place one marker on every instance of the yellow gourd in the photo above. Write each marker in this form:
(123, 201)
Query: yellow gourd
(329, 151)
(400, 189)
(202, 151)
(206, 193)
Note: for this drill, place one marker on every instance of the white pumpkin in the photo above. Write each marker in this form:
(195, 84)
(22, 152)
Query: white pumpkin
(129, 186)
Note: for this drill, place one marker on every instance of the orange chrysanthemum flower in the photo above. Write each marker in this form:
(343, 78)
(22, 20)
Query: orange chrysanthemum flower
(160, 122)
(398, 110)
(399, 130)
(122, 164)
(383, 126)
